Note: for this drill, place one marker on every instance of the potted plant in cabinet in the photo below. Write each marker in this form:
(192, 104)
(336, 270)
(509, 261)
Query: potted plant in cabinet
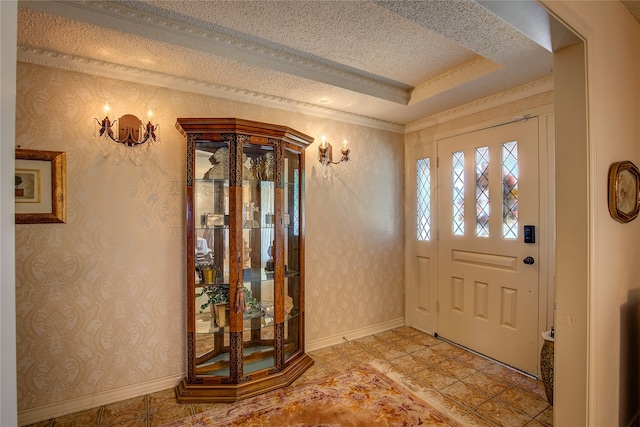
(218, 302)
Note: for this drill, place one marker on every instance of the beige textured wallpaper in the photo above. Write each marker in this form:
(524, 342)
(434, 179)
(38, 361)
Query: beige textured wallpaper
(100, 298)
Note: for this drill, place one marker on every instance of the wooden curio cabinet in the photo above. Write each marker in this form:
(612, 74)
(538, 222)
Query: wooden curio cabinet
(245, 258)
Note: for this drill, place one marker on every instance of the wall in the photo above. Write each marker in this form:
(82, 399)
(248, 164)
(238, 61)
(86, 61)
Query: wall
(572, 263)
(613, 100)
(100, 299)
(8, 394)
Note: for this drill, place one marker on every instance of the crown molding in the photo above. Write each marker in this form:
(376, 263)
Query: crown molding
(64, 61)
(501, 98)
(95, 67)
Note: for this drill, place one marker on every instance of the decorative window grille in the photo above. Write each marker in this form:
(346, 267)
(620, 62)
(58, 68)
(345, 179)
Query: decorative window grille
(482, 191)
(423, 202)
(457, 179)
(510, 190)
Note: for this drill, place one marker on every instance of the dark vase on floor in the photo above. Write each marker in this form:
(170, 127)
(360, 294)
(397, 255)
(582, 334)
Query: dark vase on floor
(546, 368)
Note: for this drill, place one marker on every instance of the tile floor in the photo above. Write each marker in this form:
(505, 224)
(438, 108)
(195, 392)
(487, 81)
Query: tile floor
(488, 392)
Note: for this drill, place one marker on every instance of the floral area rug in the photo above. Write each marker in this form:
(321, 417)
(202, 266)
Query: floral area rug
(360, 397)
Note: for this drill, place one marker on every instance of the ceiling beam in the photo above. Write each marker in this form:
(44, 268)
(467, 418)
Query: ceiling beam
(127, 20)
(531, 19)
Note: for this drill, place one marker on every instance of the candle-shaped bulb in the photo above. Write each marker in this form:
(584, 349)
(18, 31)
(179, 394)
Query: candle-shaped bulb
(324, 142)
(106, 108)
(344, 145)
(150, 114)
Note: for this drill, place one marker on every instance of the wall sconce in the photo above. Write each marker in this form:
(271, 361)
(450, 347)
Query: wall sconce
(326, 154)
(132, 132)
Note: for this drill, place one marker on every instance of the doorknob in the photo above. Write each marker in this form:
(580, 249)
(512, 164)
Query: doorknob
(529, 260)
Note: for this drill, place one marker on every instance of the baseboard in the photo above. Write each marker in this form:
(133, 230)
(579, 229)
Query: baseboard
(59, 409)
(353, 335)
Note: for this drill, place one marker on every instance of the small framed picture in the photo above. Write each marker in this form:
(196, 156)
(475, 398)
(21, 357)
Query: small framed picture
(624, 191)
(40, 186)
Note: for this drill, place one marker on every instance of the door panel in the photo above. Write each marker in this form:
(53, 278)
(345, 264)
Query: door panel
(488, 190)
(424, 283)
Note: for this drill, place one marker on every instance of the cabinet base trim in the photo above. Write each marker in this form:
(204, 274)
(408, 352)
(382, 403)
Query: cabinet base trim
(353, 334)
(229, 393)
(58, 409)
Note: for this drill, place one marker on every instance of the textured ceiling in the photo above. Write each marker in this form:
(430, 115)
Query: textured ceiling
(382, 62)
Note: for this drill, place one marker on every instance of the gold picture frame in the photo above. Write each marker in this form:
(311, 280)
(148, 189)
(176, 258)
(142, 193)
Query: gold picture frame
(40, 186)
(624, 191)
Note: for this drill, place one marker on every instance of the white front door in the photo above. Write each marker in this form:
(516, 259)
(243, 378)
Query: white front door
(487, 273)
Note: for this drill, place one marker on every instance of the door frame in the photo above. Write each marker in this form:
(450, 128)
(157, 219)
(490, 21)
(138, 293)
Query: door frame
(547, 228)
